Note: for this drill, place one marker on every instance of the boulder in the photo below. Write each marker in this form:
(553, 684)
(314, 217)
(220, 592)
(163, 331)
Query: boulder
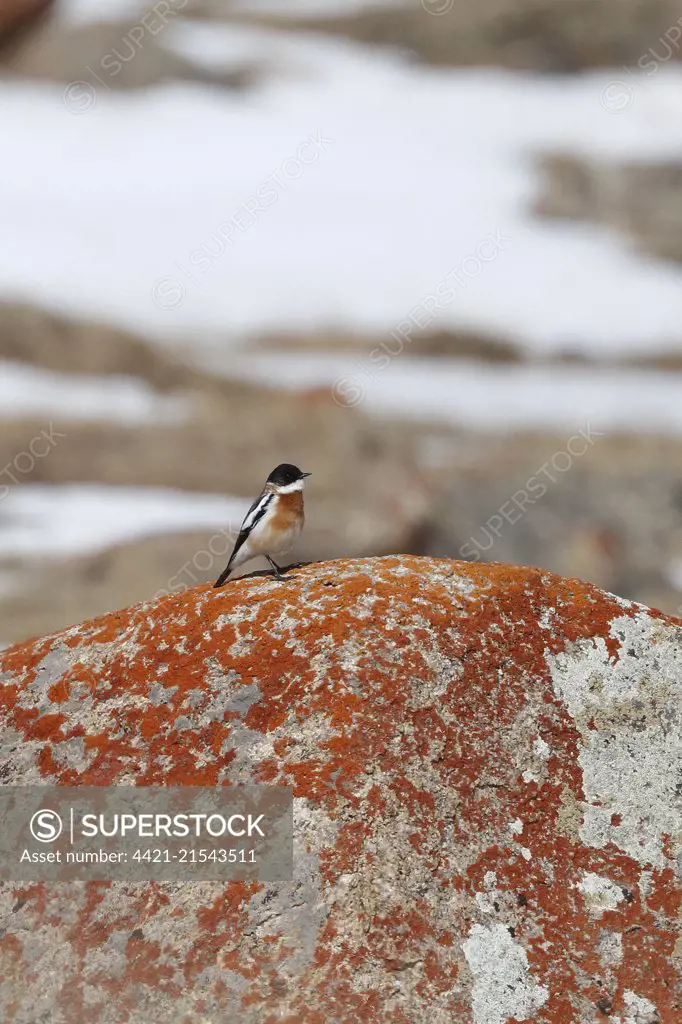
(486, 768)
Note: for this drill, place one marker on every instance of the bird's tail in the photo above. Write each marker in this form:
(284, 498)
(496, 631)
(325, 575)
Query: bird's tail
(224, 574)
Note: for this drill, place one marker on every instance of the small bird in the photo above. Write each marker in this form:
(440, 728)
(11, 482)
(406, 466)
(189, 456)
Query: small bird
(273, 522)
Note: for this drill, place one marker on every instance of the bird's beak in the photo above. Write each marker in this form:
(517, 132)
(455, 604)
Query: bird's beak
(305, 474)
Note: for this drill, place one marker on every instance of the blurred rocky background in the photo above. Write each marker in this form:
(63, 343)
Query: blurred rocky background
(428, 251)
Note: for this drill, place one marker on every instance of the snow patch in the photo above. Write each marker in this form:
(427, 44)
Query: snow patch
(33, 391)
(40, 520)
(95, 233)
(482, 396)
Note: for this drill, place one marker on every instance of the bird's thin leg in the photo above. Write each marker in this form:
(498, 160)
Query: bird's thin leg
(276, 568)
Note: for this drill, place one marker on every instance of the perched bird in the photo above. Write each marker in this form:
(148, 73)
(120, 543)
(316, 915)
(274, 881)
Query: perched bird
(273, 522)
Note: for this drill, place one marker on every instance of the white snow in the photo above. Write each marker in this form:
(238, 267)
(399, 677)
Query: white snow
(82, 11)
(38, 520)
(218, 47)
(107, 211)
(483, 396)
(32, 391)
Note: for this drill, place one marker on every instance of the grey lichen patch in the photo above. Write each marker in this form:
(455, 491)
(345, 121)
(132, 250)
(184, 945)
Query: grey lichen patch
(242, 646)
(308, 738)
(494, 901)
(638, 1010)
(631, 755)
(223, 696)
(241, 613)
(569, 817)
(94, 712)
(488, 900)
(159, 694)
(463, 584)
(49, 671)
(249, 748)
(523, 744)
(285, 624)
(547, 617)
(41, 950)
(296, 912)
(18, 758)
(600, 894)
(438, 674)
(502, 984)
(364, 608)
(97, 655)
(71, 754)
(243, 699)
(610, 948)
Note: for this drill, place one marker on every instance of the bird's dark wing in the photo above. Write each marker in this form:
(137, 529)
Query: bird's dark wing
(252, 517)
(255, 513)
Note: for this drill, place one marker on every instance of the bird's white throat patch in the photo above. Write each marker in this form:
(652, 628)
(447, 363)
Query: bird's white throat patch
(291, 488)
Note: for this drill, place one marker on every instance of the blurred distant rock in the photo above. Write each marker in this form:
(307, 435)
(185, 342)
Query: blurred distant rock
(105, 57)
(643, 201)
(449, 343)
(18, 15)
(612, 515)
(56, 341)
(539, 35)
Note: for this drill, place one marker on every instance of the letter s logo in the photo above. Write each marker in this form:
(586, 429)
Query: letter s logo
(46, 826)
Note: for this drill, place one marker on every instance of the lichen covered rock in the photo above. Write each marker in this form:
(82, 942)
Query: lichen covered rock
(486, 767)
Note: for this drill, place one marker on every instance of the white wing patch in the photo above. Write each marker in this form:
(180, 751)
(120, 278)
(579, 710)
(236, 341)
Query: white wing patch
(256, 512)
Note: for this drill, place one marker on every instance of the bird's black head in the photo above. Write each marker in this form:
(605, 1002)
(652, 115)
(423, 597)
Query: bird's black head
(285, 474)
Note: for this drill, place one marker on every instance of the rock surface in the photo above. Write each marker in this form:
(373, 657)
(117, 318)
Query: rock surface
(485, 762)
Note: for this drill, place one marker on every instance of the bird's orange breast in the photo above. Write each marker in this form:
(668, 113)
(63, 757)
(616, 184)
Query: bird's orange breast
(288, 511)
